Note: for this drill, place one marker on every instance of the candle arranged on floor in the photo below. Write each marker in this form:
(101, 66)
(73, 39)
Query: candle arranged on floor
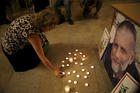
(67, 89)
(80, 74)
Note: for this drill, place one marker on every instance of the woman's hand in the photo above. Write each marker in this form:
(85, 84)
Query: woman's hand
(58, 73)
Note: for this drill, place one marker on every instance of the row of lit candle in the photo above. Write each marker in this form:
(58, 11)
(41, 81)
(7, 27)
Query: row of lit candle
(76, 82)
(81, 64)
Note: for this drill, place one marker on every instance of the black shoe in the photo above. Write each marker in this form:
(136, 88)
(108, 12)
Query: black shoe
(70, 21)
(61, 21)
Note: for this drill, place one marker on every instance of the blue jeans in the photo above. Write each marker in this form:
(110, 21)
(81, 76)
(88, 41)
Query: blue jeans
(66, 3)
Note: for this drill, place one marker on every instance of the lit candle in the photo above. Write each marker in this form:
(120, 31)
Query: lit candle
(63, 61)
(92, 66)
(68, 65)
(74, 58)
(67, 89)
(83, 70)
(74, 71)
(62, 65)
(67, 58)
(63, 73)
(87, 73)
(75, 54)
(76, 92)
(76, 63)
(68, 73)
(81, 64)
(76, 50)
(86, 84)
(80, 53)
(70, 59)
(85, 77)
(69, 53)
(69, 81)
(84, 55)
(77, 76)
(83, 59)
(75, 82)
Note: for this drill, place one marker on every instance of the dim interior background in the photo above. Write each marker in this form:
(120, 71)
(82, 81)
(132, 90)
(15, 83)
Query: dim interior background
(85, 33)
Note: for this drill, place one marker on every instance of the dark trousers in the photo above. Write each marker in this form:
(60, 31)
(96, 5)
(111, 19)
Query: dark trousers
(90, 3)
(24, 59)
(40, 4)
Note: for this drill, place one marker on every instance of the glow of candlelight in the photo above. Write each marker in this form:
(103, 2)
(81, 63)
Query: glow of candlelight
(68, 65)
(63, 61)
(87, 73)
(92, 66)
(63, 65)
(86, 84)
(67, 89)
(69, 81)
(77, 76)
(75, 82)
(83, 70)
(81, 64)
(74, 71)
(70, 59)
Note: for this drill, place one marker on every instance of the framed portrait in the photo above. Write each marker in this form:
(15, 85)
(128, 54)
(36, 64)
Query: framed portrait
(133, 68)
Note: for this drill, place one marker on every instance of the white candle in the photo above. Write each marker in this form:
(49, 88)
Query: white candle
(84, 55)
(70, 59)
(76, 63)
(86, 84)
(92, 66)
(69, 53)
(77, 76)
(74, 71)
(80, 53)
(67, 58)
(83, 59)
(85, 77)
(75, 82)
(69, 81)
(62, 65)
(67, 89)
(76, 50)
(83, 70)
(75, 54)
(63, 61)
(68, 65)
(63, 73)
(81, 64)
(87, 73)
(74, 58)
(68, 73)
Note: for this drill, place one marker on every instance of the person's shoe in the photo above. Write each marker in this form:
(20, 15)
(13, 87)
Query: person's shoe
(61, 21)
(70, 21)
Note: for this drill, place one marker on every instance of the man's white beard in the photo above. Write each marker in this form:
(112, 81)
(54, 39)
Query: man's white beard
(122, 67)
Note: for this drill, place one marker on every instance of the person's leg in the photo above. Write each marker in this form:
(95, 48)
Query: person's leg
(98, 7)
(55, 6)
(86, 10)
(67, 5)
